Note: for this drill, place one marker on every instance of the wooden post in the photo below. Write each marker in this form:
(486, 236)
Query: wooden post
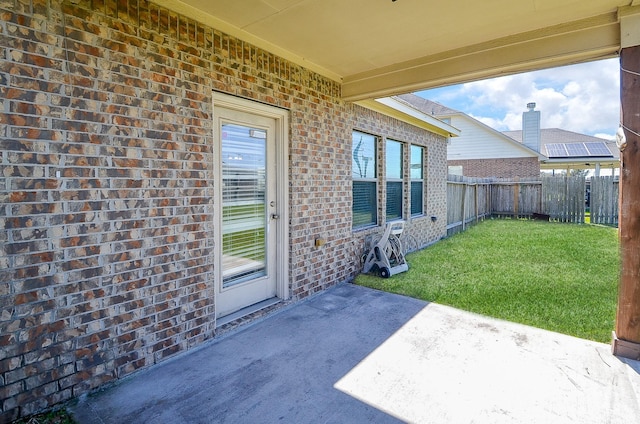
(464, 206)
(626, 338)
(516, 198)
(476, 200)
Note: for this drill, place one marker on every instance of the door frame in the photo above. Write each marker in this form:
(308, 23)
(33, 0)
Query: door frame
(281, 117)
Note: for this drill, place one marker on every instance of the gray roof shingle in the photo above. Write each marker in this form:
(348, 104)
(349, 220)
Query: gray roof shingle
(426, 106)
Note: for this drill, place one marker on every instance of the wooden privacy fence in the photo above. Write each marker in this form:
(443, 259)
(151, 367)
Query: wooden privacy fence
(516, 198)
(561, 198)
(468, 199)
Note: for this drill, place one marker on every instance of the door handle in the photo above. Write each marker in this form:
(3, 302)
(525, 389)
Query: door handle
(275, 216)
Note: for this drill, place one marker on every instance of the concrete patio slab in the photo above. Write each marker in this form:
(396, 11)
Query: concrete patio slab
(356, 355)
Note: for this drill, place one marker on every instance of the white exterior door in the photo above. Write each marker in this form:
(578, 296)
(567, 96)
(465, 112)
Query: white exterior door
(248, 211)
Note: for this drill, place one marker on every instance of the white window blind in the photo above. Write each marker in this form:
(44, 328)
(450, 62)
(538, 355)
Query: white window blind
(243, 197)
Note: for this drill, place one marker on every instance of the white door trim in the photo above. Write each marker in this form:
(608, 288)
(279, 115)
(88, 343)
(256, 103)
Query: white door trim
(281, 117)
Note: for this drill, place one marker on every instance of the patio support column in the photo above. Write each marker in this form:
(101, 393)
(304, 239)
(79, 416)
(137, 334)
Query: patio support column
(626, 338)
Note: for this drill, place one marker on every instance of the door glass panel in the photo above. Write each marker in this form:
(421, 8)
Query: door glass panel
(243, 203)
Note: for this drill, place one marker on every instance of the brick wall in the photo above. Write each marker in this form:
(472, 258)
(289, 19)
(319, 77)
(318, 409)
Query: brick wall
(106, 187)
(499, 168)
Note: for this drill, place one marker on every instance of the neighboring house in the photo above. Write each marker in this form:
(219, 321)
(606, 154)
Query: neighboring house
(566, 150)
(480, 151)
(161, 179)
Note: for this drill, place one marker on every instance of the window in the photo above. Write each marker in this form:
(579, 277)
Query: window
(364, 174)
(417, 180)
(400, 182)
(394, 179)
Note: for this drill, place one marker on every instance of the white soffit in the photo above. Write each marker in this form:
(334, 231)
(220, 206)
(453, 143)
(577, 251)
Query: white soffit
(378, 48)
(405, 113)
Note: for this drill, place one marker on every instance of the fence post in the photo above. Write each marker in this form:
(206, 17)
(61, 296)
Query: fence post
(539, 205)
(491, 194)
(464, 208)
(476, 200)
(516, 198)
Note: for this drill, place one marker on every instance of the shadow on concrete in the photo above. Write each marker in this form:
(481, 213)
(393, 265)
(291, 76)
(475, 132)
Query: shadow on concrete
(281, 369)
(356, 355)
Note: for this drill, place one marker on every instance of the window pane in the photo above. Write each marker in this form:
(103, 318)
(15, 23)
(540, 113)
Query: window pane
(394, 200)
(394, 159)
(243, 203)
(363, 163)
(416, 198)
(364, 203)
(416, 162)
(417, 182)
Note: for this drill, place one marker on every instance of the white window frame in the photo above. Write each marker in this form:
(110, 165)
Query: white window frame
(370, 162)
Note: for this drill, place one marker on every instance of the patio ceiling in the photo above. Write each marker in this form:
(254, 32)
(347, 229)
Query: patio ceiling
(378, 48)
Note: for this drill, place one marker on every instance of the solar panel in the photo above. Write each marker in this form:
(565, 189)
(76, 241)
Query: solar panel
(568, 150)
(576, 149)
(598, 148)
(556, 150)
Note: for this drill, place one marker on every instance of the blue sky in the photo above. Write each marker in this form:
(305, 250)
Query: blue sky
(584, 98)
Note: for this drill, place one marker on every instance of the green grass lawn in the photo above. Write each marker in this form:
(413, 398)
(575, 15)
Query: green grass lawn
(561, 277)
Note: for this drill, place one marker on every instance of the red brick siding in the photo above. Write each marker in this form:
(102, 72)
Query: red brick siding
(106, 253)
(499, 168)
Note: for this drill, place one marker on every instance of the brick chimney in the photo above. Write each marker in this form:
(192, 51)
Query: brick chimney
(531, 127)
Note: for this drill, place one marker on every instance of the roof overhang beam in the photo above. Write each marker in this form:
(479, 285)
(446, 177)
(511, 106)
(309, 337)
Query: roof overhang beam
(584, 164)
(578, 41)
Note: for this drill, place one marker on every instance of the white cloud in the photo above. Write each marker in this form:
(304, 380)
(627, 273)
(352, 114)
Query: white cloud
(606, 136)
(583, 98)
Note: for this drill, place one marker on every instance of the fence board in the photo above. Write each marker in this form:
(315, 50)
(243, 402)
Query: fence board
(604, 200)
(516, 198)
(529, 196)
(467, 201)
(563, 198)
